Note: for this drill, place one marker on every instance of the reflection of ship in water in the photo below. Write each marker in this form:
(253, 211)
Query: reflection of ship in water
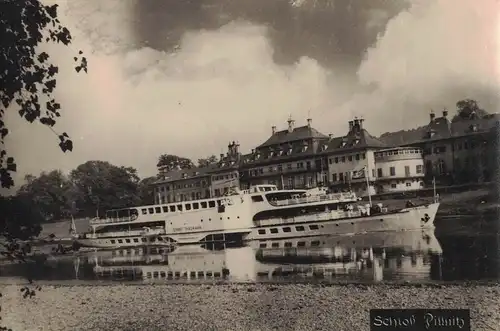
(182, 263)
(369, 257)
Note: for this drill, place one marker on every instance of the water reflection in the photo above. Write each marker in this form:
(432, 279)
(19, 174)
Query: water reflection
(404, 256)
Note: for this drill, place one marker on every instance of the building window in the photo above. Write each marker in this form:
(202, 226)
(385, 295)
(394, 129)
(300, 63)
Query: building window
(341, 176)
(393, 185)
(310, 181)
(330, 161)
(280, 168)
(336, 160)
(286, 229)
(343, 159)
(290, 182)
(441, 167)
(274, 230)
(373, 173)
(262, 231)
(334, 177)
(308, 165)
(408, 184)
(419, 169)
(392, 171)
(289, 166)
(407, 171)
(379, 173)
(357, 157)
(349, 158)
(299, 228)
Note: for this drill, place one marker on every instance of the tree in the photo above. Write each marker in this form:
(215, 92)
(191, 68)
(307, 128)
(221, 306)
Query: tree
(20, 219)
(53, 194)
(468, 109)
(101, 186)
(28, 77)
(207, 161)
(169, 162)
(146, 190)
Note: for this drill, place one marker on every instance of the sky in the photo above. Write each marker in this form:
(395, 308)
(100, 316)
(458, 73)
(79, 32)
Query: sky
(186, 77)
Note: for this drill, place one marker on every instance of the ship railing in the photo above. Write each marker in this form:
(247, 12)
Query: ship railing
(324, 216)
(334, 197)
(113, 220)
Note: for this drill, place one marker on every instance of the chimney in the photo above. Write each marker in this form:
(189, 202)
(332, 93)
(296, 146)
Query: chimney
(273, 129)
(432, 115)
(445, 113)
(253, 151)
(309, 121)
(351, 125)
(290, 124)
(330, 136)
(361, 120)
(221, 156)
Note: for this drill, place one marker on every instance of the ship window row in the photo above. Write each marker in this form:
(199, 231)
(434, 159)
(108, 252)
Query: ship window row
(178, 274)
(288, 244)
(136, 240)
(288, 229)
(347, 158)
(179, 207)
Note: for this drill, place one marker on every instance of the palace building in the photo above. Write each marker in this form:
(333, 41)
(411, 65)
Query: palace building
(288, 158)
(351, 159)
(452, 152)
(456, 151)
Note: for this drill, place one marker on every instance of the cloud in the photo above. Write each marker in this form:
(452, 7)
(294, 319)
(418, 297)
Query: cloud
(134, 105)
(224, 84)
(431, 56)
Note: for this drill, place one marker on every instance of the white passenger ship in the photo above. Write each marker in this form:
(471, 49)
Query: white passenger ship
(262, 212)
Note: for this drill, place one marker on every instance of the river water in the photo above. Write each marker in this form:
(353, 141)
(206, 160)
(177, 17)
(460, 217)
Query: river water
(462, 248)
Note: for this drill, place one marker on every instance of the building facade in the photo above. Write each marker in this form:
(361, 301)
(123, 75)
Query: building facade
(225, 174)
(351, 160)
(183, 185)
(457, 151)
(399, 169)
(288, 159)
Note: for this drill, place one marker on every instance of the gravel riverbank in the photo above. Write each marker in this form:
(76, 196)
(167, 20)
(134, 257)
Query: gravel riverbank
(234, 307)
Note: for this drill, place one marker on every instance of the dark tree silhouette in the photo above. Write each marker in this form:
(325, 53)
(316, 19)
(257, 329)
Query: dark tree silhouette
(101, 185)
(28, 80)
(468, 109)
(212, 159)
(170, 162)
(146, 190)
(28, 77)
(53, 193)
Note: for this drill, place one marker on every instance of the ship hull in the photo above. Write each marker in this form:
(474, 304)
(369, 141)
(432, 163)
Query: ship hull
(421, 217)
(166, 239)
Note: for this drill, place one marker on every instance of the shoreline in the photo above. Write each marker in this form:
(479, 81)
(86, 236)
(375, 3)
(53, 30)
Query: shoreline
(234, 307)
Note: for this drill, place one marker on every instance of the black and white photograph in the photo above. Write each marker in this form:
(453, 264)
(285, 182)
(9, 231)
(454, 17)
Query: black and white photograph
(249, 165)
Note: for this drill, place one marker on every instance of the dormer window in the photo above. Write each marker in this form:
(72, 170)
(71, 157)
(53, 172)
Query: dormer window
(304, 148)
(280, 153)
(356, 141)
(289, 151)
(473, 127)
(184, 175)
(343, 143)
(324, 147)
(431, 134)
